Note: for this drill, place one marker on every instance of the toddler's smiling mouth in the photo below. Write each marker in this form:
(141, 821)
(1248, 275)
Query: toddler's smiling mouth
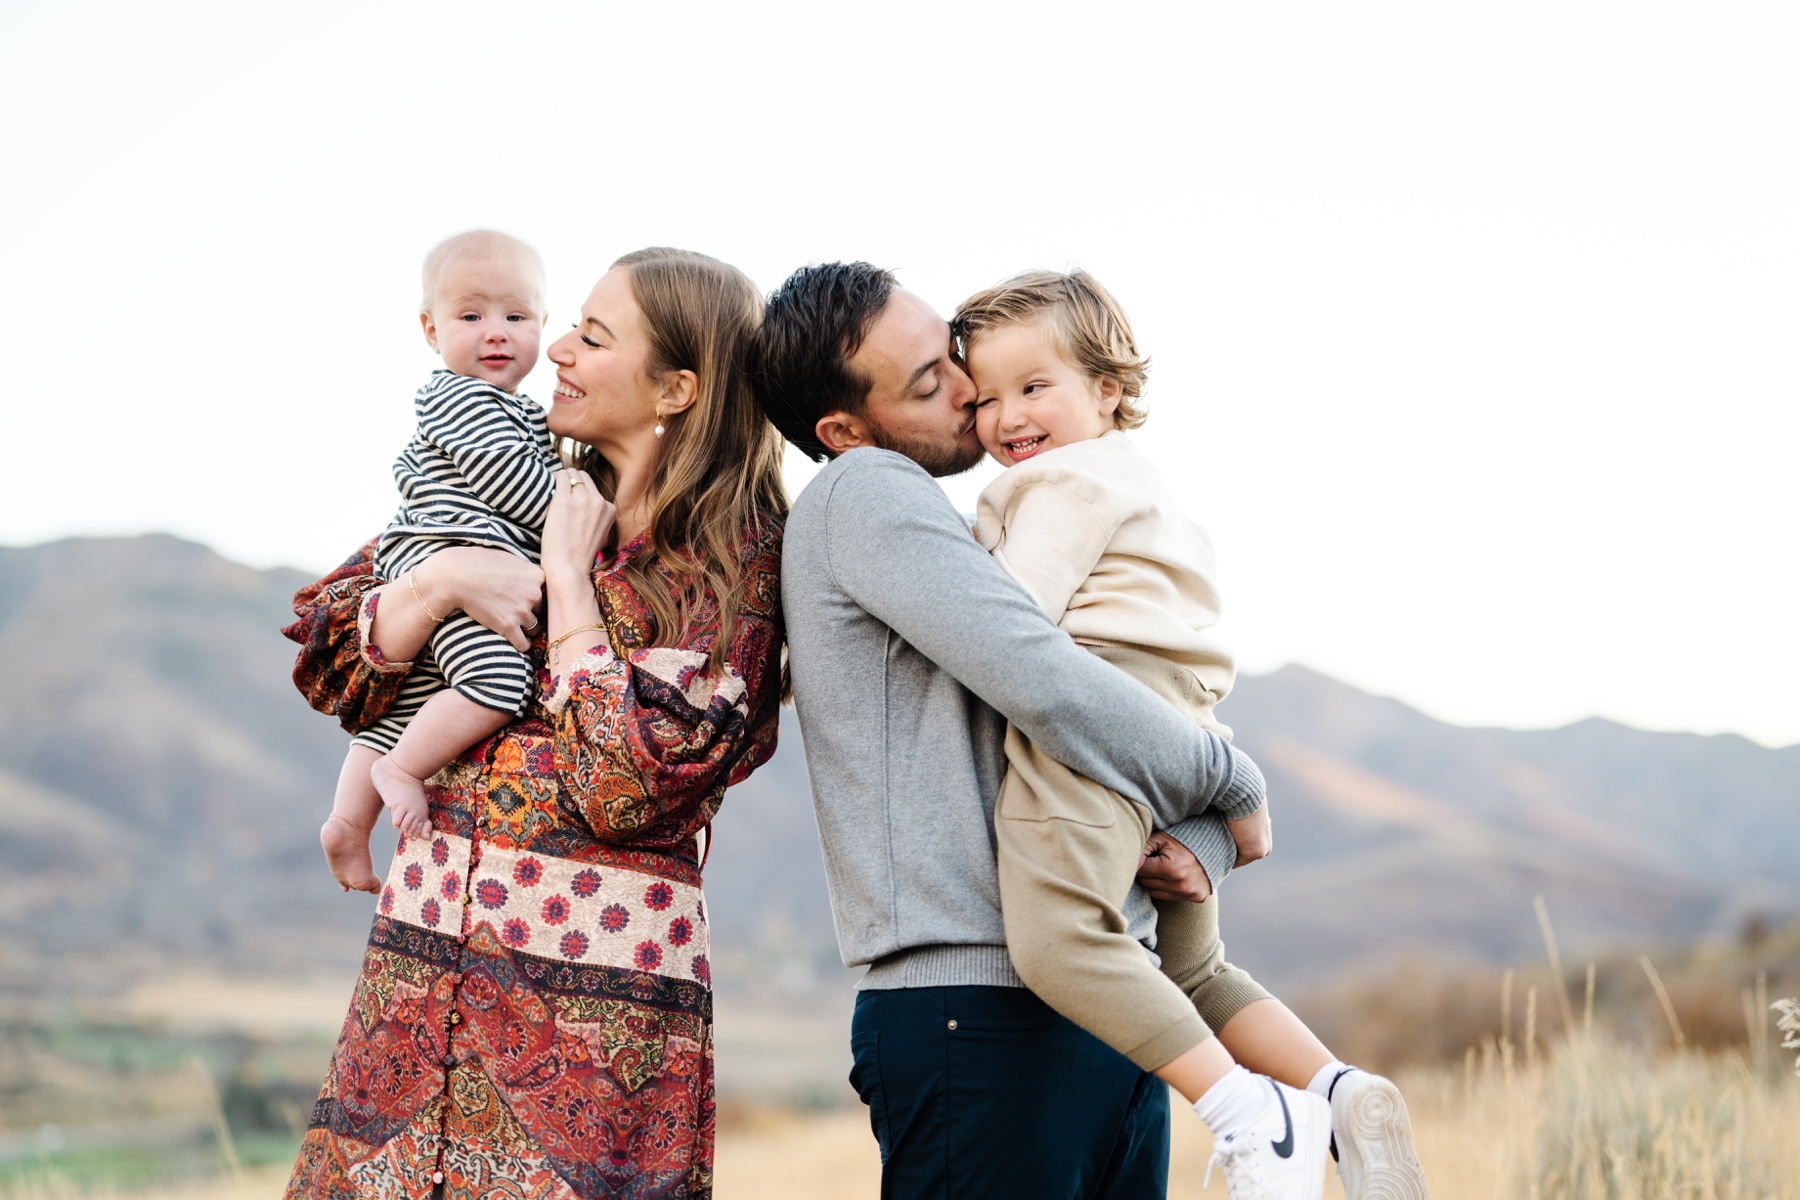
(1023, 448)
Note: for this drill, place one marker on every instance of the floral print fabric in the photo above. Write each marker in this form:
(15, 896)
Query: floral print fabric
(534, 1014)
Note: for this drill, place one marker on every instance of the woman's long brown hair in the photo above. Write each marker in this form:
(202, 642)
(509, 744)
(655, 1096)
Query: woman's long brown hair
(718, 466)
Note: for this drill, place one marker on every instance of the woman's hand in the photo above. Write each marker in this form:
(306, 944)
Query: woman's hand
(576, 528)
(579, 522)
(496, 587)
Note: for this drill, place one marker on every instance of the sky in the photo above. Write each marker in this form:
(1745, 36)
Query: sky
(1473, 327)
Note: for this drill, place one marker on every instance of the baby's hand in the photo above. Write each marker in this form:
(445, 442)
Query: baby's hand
(1254, 835)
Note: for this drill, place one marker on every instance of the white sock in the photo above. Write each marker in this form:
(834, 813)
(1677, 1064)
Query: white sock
(1235, 1102)
(1321, 1083)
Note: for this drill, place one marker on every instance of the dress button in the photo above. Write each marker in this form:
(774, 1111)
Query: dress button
(456, 1018)
(449, 1060)
(952, 1023)
(437, 1177)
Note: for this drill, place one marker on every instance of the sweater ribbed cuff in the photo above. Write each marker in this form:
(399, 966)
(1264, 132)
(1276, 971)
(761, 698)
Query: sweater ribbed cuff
(942, 966)
(1226, 995)
(1245, 791)
(1210, 842)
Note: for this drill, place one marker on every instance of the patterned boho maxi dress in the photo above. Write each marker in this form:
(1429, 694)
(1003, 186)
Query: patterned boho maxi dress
(534, 1014)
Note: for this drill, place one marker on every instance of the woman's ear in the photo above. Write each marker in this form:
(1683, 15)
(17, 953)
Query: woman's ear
(680, 390)
(1109, 392)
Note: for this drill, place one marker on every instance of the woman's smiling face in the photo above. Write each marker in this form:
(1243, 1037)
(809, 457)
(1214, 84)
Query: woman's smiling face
(604, 394)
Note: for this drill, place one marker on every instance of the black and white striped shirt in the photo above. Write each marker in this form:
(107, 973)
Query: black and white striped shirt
(479, 471)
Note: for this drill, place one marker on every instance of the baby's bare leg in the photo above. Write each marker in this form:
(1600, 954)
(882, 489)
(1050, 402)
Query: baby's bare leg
(449, 723)
(345, 834)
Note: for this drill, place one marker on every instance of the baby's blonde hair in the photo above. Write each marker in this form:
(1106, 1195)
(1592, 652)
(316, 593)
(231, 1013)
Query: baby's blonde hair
(481, 245)
(1091, 329)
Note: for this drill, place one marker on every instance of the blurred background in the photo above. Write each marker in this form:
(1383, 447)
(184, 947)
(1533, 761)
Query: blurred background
(1473, 334)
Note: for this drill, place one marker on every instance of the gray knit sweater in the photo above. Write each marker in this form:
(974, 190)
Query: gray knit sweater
(910, 650)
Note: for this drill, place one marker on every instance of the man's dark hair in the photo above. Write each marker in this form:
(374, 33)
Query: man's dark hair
(800, 360)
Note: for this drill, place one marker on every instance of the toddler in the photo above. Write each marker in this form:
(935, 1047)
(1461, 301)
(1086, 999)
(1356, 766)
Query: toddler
(1085, 525)
(478, 472)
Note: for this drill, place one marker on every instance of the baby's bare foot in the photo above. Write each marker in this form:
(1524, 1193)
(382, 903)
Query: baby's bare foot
(404, 796)
(347, 853)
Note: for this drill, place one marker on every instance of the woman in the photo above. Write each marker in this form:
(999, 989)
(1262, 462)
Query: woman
(534, 1016)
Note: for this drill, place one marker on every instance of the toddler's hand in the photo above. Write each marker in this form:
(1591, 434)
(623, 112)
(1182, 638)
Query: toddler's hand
(1254, 835)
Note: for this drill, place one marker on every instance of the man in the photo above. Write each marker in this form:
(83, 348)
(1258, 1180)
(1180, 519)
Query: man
(910, 650)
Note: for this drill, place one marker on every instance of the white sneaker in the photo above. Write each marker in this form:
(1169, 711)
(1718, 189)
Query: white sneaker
(1373, 1141)
(1282, 1155)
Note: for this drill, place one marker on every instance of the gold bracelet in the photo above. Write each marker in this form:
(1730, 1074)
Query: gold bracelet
(555, 642)
(435, 619)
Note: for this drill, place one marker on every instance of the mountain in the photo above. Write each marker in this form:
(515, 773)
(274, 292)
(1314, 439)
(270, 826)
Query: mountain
(1398, 835)
(161, 782)
(161, 788)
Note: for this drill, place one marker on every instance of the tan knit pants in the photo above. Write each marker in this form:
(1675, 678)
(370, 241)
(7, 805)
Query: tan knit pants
(1068, 852)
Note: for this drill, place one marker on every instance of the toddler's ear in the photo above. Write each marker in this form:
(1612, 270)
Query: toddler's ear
(430, 328)
(1109, 392)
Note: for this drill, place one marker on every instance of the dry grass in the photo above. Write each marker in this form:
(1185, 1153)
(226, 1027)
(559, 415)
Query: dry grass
(1424, 1013)
(264, 1183)
(1600, 1121)
(1592, 1120)
(1588, 1119)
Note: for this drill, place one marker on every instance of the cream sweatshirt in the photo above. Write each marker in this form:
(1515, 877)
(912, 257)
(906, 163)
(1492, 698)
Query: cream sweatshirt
(1093, 533)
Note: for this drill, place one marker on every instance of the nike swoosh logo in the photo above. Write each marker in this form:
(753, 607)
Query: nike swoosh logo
(1285, 1147)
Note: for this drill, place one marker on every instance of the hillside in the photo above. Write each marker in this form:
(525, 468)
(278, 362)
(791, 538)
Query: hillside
(161, 786)
(161, 783)
(1398, 835)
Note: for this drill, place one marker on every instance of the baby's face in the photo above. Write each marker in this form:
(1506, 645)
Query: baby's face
(1029, 398)
(486, 321)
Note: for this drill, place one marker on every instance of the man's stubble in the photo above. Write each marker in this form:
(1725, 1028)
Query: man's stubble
(938, 459)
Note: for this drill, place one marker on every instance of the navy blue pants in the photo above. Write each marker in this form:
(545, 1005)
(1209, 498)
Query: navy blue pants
(984, 1093)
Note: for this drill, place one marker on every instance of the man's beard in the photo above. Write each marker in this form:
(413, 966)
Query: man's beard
(938, 459)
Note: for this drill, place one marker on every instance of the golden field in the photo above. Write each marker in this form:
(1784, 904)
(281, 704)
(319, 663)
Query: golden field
(1590, 1120)
(1643, 1092)
(1595, 1122)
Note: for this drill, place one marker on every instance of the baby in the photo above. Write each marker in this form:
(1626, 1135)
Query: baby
(1085, 524)
(478, 472)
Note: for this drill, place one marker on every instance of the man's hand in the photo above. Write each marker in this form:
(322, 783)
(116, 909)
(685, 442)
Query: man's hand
(1254, 836)
(1169, 871)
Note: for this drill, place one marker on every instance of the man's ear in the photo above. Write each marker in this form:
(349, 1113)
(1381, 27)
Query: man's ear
(429, 326)
(680, 390)
(840, 431)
